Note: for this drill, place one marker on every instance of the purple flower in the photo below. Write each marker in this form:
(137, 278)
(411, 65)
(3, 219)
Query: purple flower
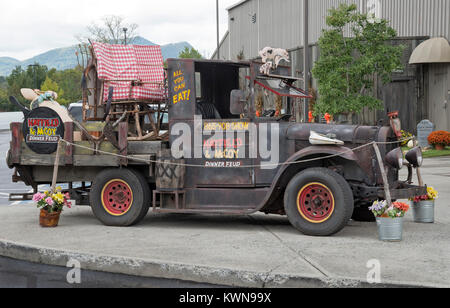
(378, 206)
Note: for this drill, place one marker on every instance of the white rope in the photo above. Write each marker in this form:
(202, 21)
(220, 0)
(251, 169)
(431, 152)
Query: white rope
(247, 166)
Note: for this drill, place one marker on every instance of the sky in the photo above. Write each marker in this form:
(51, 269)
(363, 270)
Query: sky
(30, 27)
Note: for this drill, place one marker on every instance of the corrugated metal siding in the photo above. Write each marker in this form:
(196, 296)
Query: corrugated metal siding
(418, 17)
(224, 48)
(280, 22)
(243, 31)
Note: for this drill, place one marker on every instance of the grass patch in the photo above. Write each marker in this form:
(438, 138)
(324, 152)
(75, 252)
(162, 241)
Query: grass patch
(432, 153)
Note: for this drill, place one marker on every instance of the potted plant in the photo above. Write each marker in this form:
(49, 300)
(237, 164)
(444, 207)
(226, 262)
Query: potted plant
(390, 219)
(439, 139)
(51, 205)
(423, 206)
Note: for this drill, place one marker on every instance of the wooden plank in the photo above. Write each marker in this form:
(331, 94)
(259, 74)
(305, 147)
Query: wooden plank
(26, 151)
(68, 136)
(123, 142)
(105, 147)
(384, 175)
(78, 160)
(43, 174)
(96, 161)
(144, 147)
(141, 159)
(94, 126)
(39, 160)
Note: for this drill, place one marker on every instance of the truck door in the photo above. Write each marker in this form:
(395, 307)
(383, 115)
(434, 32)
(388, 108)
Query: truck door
(199, 95)
(225, 146)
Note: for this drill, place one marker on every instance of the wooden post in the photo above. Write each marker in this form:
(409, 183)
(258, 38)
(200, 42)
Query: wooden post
(68, 127)
(123, 142)
(419, 177)
(56, 167)
(383, 174)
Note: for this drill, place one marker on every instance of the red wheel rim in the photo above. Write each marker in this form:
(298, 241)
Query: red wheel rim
(315, 203)
(117, 197)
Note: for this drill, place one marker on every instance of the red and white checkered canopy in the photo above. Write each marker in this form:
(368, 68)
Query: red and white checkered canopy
(135, 72)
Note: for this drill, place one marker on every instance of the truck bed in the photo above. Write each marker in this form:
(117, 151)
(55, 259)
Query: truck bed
(78, 163)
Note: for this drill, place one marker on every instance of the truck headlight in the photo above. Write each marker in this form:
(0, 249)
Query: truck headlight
(415, 157)
(395, 158)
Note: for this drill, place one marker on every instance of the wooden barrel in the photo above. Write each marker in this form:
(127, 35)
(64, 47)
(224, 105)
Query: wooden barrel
(170, 172)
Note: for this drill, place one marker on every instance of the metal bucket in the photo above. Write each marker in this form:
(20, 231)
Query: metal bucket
(390, 229)
(423, 211)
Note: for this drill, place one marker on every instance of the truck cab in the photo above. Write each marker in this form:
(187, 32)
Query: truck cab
(237, 160)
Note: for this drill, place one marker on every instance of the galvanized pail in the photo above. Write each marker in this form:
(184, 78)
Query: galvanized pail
(423, 211)
(390, 229)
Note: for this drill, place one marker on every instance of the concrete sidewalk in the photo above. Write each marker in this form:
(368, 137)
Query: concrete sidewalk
(244, 251)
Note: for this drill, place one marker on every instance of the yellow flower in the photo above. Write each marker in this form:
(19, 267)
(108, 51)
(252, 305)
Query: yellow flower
(432, 193)
(59, 197)
(58, 188)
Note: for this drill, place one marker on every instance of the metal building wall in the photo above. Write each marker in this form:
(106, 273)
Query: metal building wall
(418, 17)
(280, 22)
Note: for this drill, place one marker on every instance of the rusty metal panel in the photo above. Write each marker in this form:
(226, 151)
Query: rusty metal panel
(16, 142)
(236, 200)
(182, 90)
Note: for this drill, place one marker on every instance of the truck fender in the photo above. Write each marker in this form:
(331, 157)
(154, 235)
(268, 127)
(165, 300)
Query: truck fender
(340, 151)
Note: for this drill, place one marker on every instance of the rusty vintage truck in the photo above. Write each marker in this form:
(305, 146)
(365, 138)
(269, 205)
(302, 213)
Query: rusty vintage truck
(319, 187)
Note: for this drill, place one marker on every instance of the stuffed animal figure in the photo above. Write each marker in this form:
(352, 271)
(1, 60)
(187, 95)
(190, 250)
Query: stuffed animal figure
(46, 99)
(274, 55)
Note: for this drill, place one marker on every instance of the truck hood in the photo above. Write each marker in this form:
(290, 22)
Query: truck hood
(347, 133)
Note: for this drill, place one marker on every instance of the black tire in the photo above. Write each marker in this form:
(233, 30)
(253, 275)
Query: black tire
(336, 217)
(363, 214)
(138, 207)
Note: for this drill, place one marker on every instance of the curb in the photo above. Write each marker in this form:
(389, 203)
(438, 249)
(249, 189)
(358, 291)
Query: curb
(184, 272)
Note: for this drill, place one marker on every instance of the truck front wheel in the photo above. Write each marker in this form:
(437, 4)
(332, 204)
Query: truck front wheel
(318, 202)
(120, 197)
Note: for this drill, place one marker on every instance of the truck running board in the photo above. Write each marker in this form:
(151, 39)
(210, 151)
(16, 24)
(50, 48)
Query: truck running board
(21, 197)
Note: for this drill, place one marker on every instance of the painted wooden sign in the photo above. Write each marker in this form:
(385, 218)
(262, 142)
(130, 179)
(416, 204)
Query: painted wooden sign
(42, 130)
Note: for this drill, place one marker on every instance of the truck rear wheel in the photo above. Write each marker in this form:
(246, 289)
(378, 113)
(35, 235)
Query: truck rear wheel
(120, 197)
(319, 202)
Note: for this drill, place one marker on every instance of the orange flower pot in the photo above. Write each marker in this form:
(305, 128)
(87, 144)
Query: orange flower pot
(49, 220)
(439, 147)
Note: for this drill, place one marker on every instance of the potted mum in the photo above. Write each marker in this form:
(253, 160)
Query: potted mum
(51, 205)
(390, 219)
(439, 139)
(423, 206)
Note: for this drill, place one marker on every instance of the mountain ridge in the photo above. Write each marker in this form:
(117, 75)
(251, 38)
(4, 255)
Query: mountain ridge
(65, 58)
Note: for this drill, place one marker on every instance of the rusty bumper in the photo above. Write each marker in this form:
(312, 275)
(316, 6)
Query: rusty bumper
(404, 191)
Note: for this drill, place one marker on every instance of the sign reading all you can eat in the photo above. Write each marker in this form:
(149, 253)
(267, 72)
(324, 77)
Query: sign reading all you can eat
(43, 128)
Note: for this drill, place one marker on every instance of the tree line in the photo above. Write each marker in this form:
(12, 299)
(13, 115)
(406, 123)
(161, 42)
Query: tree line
(67, 83)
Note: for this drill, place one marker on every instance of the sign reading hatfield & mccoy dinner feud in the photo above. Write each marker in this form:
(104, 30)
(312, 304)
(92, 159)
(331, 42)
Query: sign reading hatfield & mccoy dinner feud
(43, 128)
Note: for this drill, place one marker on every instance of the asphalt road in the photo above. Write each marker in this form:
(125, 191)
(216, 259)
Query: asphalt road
(6, 184)
(20, 274)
